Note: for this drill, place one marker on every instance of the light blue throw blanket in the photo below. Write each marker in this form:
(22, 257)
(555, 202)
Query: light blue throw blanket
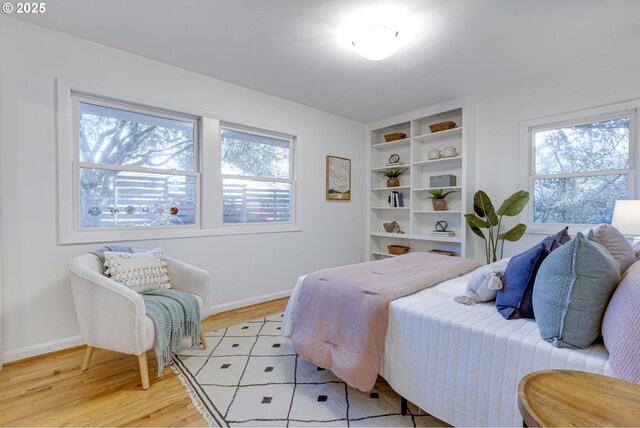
(175, 315)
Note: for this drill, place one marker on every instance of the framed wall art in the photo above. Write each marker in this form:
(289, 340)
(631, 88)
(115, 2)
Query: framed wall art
(338, 178)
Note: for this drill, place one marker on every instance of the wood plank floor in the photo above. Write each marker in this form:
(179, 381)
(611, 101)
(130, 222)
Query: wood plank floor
(51, 390)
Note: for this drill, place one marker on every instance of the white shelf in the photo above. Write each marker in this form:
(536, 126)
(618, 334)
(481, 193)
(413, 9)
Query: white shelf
(454, 239)
(432, 161)
(418, 224)
(378, 253)
(426, 189)
(397, 143)
(390, 188)
(436, 212)
(384, 168)
(432, 136)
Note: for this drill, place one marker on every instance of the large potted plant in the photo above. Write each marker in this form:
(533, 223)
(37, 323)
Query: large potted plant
(486, 217)
(392, 175)
(438, 199)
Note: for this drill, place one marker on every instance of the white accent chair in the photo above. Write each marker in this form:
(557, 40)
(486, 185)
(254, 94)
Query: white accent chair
(112, 316)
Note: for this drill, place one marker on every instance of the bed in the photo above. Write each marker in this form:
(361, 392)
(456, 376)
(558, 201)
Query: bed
(462, 363)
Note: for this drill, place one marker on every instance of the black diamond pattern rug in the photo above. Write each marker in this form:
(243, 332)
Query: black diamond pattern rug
(250, 376)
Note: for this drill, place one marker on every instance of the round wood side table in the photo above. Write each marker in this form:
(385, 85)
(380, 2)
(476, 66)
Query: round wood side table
(551, 398)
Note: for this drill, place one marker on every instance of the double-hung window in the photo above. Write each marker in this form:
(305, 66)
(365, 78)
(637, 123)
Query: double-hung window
(134, 167)
(130, 170)
(580, 166)
(257, 176)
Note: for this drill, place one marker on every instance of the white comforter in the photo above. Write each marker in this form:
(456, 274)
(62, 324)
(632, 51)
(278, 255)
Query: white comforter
(461, 363)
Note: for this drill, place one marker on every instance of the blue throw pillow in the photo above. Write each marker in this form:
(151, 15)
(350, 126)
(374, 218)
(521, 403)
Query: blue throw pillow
(560, 238)
(515, 298)
(572, 290)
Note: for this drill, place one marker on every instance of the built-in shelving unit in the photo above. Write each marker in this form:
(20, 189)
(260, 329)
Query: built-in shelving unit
(418, 218)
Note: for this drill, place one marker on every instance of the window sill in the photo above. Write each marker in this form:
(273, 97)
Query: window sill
(546, 229)
(142, 235)
(553, 228)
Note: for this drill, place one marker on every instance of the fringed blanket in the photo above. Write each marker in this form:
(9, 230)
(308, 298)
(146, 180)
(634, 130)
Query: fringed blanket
(175, 315)
(342, 313)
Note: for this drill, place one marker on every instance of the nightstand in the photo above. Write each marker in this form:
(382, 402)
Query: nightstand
(572, 398)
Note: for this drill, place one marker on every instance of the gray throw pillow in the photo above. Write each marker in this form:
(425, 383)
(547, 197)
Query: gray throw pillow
(571, 292)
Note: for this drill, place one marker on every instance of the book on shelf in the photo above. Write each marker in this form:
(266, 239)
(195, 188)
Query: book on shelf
(399, 200)
(396, 199)
(441, 233)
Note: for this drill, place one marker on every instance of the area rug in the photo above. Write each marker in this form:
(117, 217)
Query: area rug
(249, 376)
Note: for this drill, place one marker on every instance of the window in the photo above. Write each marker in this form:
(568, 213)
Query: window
(135, 167)
(257, 176)
(132, 169)
(580, 166)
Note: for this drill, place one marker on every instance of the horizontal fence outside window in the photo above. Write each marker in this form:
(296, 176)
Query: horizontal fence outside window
(257, 174)
(135, 199)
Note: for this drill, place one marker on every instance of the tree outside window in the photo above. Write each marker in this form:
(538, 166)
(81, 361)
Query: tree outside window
(580, 170)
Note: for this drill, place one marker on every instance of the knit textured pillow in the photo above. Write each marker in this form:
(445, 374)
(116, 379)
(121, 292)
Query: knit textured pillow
(621, 327)
(571, 292)
(138, 271)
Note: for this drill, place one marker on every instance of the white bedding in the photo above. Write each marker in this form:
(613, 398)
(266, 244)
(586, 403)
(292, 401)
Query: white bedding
(461, 363)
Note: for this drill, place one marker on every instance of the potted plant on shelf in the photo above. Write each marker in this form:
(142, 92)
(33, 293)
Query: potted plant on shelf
(438, 199)
(392, 175)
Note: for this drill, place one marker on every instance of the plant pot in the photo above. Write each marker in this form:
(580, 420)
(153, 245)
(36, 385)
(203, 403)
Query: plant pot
(439, 204)
(393, 182)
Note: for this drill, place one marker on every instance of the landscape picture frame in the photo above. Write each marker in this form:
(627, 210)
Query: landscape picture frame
(338, 178)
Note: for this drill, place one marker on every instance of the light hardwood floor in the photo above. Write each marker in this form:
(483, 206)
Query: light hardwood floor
(51, 390)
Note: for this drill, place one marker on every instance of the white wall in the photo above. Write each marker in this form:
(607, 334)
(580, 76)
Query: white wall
(37, 307)
(499, 121)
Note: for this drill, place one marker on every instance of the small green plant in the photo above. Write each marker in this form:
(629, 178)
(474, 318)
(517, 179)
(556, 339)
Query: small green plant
(393, 173)
(485, 217)
(440, 194)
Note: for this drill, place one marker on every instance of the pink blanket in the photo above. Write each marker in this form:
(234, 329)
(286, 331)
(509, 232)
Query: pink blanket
(342, 314)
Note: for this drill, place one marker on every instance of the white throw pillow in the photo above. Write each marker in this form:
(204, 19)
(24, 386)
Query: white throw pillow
(138, 271)
(616, 244)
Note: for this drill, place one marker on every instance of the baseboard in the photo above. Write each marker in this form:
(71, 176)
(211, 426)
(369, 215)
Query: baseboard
(248, 302)
(70, 342)
(42, 348)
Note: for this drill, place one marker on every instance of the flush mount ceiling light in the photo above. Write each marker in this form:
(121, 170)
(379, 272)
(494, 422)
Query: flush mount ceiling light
(376, 42)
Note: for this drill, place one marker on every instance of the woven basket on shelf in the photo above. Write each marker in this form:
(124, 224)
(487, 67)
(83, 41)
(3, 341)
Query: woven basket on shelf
(443, 252)
(398, 249)
(442, 126)
(395, 136)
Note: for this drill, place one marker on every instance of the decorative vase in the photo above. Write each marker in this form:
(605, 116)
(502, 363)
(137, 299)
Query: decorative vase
(439, 204)
(393, 182)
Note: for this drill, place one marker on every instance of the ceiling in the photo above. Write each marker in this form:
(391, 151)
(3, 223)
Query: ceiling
(298, 50)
